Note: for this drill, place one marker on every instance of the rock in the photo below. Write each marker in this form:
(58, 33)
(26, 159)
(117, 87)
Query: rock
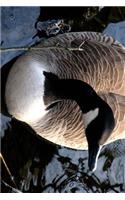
(18, 29)
(4, 124)
(116, 172)
(117, 31)
(115, 149)
(53, 27)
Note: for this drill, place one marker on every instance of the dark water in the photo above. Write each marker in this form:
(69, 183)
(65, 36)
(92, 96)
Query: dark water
(37, 165)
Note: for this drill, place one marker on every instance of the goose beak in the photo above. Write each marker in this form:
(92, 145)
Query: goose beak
(94, 152)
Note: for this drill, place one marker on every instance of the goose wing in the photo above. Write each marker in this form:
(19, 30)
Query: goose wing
(92, 57)
(104, 63)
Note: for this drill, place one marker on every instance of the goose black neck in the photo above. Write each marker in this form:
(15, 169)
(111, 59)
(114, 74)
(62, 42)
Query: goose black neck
(86, 98)
(76, 90)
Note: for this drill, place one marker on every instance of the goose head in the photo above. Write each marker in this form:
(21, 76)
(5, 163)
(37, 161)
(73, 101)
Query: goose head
(98, 117)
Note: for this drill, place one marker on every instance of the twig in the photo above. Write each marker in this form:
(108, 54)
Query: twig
(19, 49)
(13, 189)
(3, 50)
(11, 177)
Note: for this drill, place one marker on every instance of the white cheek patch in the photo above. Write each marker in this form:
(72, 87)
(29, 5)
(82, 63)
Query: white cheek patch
(90, 116)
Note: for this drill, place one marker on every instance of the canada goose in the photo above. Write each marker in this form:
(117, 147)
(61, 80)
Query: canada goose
(98, 117)
(92, 57)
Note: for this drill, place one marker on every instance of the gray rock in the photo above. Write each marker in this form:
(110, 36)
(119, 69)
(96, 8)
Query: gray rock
(18, 29)
(4, 124)
(117, 31)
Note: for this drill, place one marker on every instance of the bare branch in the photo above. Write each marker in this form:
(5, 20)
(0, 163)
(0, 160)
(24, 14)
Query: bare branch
(3, 50)
(4, 162)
